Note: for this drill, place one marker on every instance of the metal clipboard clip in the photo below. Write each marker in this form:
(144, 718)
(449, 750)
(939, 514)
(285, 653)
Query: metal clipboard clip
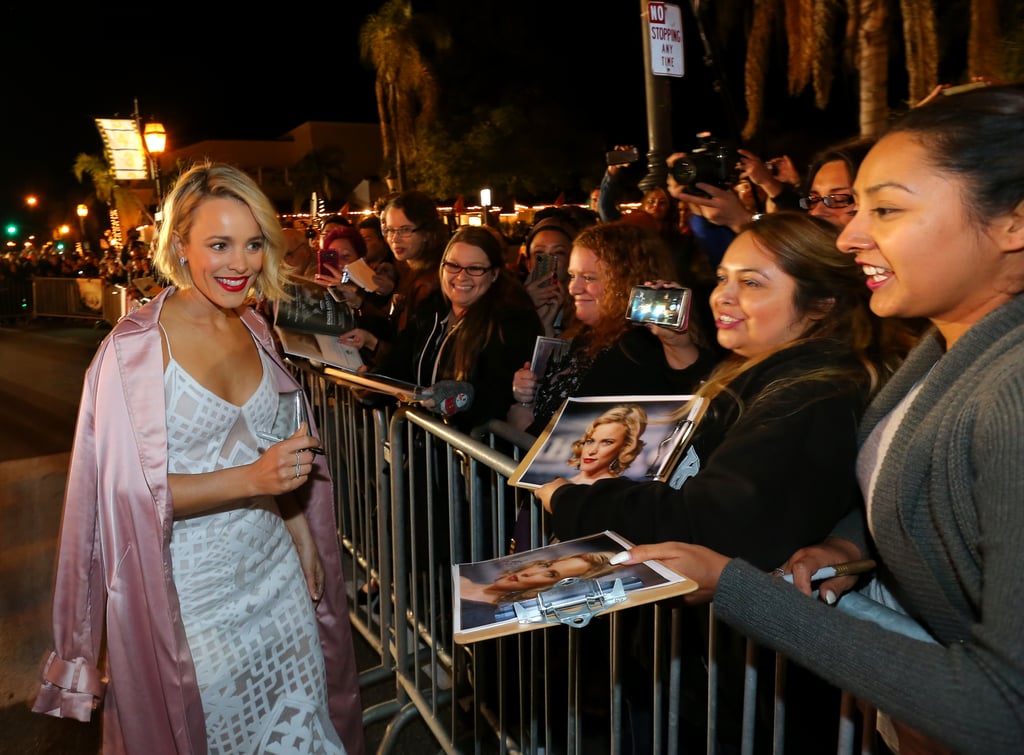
(573, 602)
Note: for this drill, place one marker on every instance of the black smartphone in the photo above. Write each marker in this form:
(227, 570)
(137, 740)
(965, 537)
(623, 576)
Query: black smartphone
(622, 156)
(327, 257)
(669, 307)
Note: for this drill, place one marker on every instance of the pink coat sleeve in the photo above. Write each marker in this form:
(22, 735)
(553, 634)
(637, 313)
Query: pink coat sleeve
(114, 599)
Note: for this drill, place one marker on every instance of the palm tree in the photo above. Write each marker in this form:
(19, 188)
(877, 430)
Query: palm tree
(869, 21)
(982, 55)
(130, 208)
(392, 41)
(809, 28)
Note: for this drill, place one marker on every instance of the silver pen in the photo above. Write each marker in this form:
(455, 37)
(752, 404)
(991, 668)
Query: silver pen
(839, 570)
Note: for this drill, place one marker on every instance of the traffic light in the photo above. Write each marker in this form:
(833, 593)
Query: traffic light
(11, 229)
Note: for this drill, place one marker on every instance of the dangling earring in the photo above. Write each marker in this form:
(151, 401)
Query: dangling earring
(182, 260)
(615, 465)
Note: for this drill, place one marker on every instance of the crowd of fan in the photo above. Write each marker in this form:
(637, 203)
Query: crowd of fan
(114, 264)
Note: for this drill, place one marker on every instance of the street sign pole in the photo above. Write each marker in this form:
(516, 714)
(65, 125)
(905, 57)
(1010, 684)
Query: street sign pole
(663, 59)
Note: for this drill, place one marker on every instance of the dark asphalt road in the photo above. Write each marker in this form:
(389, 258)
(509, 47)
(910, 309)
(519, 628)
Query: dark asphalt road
(41, 368)
(42, 364)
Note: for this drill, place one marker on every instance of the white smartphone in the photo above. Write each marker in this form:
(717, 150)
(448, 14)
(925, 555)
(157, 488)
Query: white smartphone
(669, 307)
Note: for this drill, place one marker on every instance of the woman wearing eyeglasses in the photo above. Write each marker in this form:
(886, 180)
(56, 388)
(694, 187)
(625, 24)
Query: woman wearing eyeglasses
(416, 233)
(478, 327)
(829, 194)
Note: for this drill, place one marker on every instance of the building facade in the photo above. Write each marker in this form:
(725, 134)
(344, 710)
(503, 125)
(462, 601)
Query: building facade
(285, 167)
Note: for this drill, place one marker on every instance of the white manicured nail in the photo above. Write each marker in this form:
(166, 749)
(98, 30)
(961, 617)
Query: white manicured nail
(830, 597)
(619, 558)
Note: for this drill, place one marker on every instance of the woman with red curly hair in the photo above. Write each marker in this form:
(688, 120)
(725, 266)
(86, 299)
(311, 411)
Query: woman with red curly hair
(609, 355)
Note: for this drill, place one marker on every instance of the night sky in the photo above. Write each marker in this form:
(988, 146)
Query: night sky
(245, 73)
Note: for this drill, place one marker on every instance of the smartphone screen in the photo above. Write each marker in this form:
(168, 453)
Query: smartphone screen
(660, 306)
(327, 257)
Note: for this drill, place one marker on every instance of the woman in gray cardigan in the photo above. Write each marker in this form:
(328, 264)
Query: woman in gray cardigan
(939, 233)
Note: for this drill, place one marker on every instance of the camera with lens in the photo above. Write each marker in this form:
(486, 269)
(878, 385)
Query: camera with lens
(710, 162)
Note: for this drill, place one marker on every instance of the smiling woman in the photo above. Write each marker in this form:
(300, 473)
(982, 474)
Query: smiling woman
(771, 462)
(608, 355)
(170, 492)
(478, 327)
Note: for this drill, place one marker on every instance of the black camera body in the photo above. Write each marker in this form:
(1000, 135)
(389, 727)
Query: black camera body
(711, 162)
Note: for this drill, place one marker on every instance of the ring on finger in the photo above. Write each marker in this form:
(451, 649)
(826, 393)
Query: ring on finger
(778, 570)
(297, 470)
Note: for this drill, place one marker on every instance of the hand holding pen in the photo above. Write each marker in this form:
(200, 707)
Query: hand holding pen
(270, 437)
(845, 569)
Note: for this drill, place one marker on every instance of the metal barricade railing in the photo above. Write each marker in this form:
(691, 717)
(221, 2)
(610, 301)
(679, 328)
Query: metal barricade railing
(415, 496)
(354, 437)
(82, 298)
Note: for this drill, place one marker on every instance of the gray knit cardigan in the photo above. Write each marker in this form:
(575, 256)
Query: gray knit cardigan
(948, 513)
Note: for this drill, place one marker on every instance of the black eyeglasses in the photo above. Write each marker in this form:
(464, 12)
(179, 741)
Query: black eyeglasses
(475, 270)
(832, 201)
(399, 233)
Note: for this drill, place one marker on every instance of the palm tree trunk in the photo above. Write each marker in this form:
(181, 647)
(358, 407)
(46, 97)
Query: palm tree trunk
(922, 47)
(983, 46)
(873, 64)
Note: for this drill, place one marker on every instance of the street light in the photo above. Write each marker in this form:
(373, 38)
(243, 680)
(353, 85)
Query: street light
(82, 211)
(485, 206)
(155, 137)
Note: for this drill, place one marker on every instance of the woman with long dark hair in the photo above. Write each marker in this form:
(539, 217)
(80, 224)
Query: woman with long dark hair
(477, 328)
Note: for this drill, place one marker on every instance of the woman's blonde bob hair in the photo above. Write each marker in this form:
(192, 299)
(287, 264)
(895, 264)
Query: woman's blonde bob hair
(208, 180)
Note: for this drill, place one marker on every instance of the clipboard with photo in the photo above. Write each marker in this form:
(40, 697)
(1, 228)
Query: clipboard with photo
(567, 583)
(663, 436)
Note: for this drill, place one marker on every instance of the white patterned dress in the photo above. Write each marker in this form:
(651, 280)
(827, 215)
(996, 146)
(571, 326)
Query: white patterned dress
(250, 623)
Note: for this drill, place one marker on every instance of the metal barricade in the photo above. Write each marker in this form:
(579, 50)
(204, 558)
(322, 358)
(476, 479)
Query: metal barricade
(415, 496)
(82, 298)
(354, 437)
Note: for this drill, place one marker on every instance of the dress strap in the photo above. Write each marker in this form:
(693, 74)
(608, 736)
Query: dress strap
(167, 341)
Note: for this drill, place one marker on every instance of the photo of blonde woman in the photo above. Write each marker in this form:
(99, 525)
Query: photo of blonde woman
(610, 444)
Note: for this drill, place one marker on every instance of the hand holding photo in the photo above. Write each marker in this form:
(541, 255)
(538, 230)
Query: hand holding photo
(360, 273)
(546, 351)
(566, 583)
(597, 437)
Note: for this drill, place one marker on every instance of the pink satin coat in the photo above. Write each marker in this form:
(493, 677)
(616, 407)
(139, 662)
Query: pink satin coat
(114, 563)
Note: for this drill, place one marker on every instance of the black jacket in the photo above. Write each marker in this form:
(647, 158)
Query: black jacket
(421, 355)
(772, 477)
(634, 366)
